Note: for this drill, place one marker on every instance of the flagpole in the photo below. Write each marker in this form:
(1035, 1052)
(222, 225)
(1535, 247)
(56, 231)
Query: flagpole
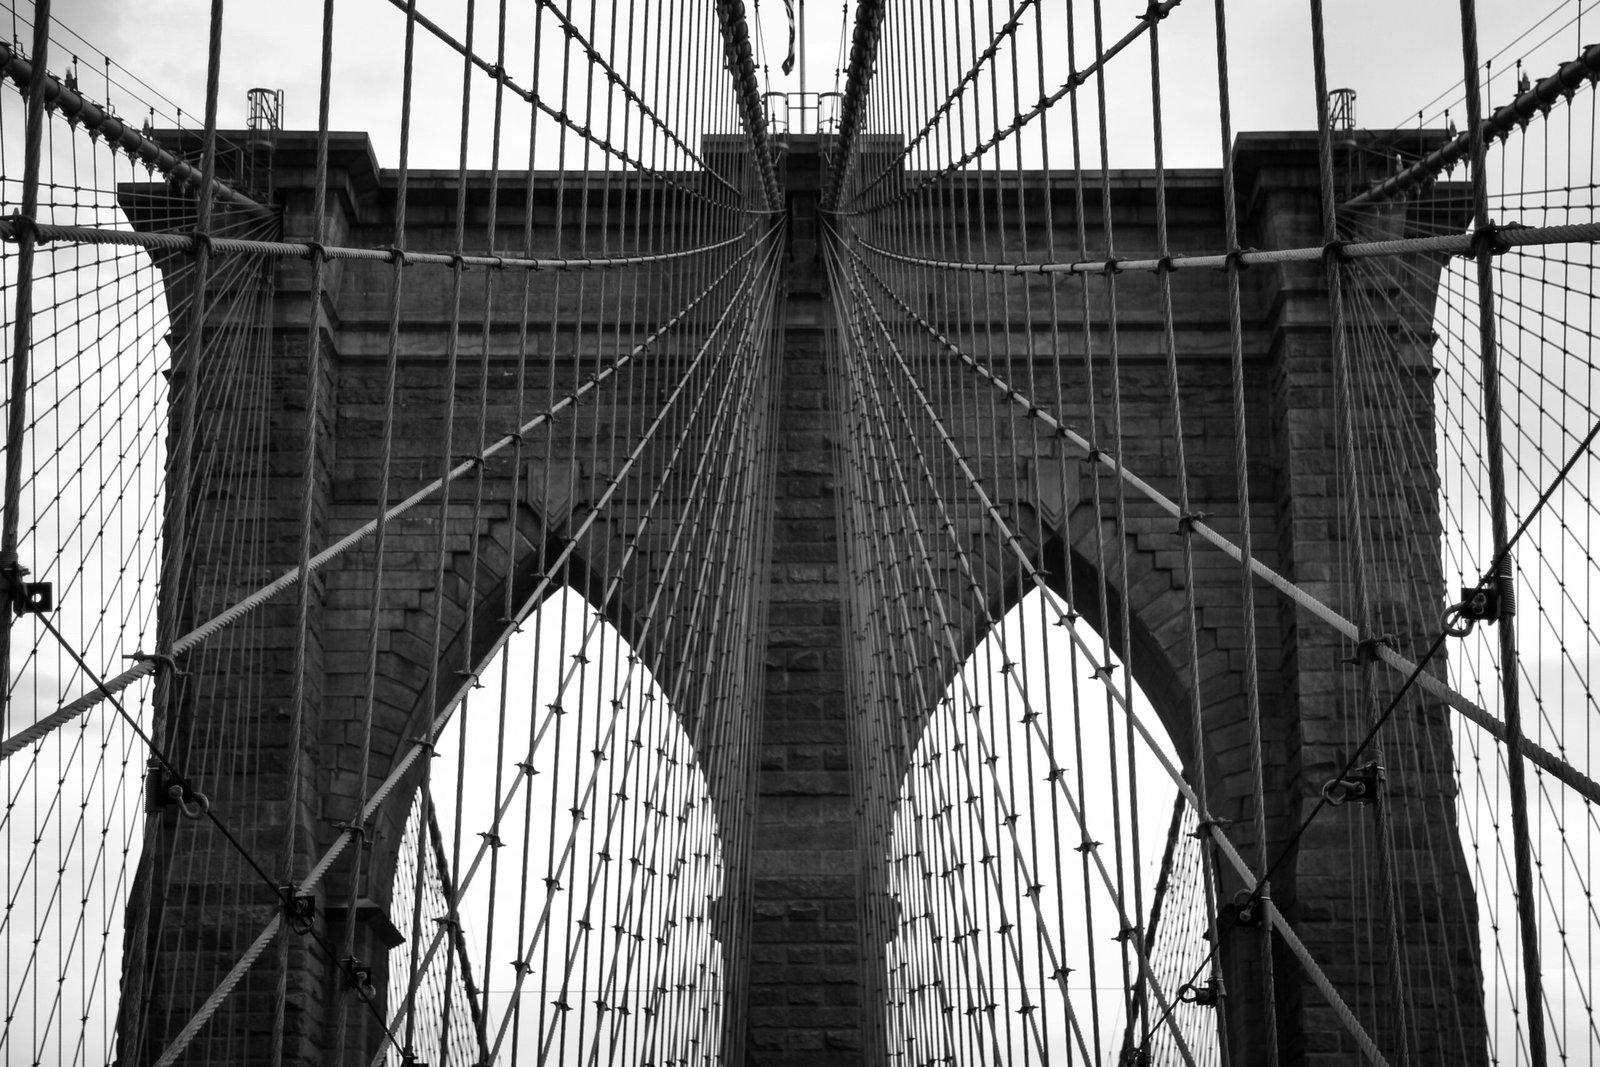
(802, 55)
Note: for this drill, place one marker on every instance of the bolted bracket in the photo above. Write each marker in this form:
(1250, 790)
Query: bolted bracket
(1244, 910)
(357, 976)
(27, 598)
(1204, 996)
(299, 909)
(1363, 785)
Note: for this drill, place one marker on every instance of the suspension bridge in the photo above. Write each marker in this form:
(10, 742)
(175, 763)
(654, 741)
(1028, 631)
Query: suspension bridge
(583, 550)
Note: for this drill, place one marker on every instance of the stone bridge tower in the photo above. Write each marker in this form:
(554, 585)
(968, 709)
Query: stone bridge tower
(809, 965)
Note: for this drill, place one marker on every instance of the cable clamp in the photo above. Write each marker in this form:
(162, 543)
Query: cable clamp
(1482, 603)
(1134, 1057)
(1234, 260)
(1095, 454)
(23, 226)
(425, 742)
(162, 661)
(357, 976)
(199, 240)
(1187, 520)
(162, 789)
(1367, 650)
(1505, 585)
(1334, 251)
(1363, 785)
(1492, 236)
(192, 803)
(458, 261)
(28, 598)
(1203, 828)
(316, 250)
(1205, 996)
(397, 255)
(1165, 264)
(299, 909)
(1244, 910)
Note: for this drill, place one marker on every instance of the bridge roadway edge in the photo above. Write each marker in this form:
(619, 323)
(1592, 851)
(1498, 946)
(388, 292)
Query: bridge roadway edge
(806, 953)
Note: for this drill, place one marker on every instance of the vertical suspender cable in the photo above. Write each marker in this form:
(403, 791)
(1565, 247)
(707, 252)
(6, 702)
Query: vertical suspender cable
(1186, 532)
(1355, 525)
(1488, 352)
(17, 402)
(308, 498)
(1252, 682)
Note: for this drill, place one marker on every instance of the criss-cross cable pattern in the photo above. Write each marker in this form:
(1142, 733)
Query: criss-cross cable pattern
(597, 579)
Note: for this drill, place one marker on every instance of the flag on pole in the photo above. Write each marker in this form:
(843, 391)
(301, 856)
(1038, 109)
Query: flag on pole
(788, 62)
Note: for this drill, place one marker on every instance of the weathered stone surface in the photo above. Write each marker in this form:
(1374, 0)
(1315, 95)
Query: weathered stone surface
(810, 966)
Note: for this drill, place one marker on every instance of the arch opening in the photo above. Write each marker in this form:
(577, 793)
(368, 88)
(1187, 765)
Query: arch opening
(568, 813)
(1034, 830)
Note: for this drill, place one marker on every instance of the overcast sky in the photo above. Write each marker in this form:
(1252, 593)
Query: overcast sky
(1398, 56)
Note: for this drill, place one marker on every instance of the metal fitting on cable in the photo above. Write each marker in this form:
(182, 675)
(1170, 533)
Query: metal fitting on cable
(1493, 237)
(1204, 996)
(27, 598)
(1367, 650)
(358, 976)
(1363, 785)
(23, 226)
(1484, 602)
(1244, 910)
(160, 790)
(299, 909)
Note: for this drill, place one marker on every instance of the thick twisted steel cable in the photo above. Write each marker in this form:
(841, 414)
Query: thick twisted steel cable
(312, 250)
(1540, 757)
(404, 764)
(1466, 243)
(202, 633)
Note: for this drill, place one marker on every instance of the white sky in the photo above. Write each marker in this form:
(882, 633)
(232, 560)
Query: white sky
(1398, 56)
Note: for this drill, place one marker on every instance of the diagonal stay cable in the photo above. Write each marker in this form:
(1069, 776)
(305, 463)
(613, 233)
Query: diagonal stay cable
(189, 795)
(1009, 29)
(1045, 103)
(525, 769)
(497, 72)
(1010, 539)
(538, 102)
(202, 633)
(1485, 582)
(403, 765)
(1351, 1023)
(1470, 710)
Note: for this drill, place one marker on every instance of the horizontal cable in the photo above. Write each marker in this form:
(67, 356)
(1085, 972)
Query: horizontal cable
(1500, 237)
(239, 610)
(1539, 756)
(1226, 846)
(182, 242)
